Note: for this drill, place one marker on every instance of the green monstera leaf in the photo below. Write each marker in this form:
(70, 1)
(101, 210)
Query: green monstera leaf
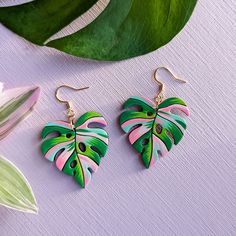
(125, 29)
(153, 129)
(77, 150)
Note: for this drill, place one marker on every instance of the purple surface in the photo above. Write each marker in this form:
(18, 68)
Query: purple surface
(191, 192)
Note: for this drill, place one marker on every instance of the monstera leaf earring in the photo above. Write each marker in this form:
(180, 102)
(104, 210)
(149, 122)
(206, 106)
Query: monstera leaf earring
(76, 146)
(154, 127)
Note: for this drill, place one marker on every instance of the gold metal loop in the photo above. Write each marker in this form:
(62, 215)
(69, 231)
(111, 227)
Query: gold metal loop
(66, 86)
(69, 112)
(160, 96)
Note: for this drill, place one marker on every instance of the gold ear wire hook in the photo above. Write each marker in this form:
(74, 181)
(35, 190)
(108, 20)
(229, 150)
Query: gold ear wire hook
(160, 95)
(66, 86)
(70, 112)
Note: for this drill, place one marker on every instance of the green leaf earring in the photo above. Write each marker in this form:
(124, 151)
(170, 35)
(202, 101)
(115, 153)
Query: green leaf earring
(154, 127)
(76, 147)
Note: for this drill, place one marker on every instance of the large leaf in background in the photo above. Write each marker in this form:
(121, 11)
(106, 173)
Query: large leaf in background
(15, 105)
(125, 29)
(77, 151)
(15, 191)
(39, 20)
(128, 28)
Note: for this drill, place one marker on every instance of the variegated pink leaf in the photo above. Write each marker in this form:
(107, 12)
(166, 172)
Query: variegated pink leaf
(15, 105)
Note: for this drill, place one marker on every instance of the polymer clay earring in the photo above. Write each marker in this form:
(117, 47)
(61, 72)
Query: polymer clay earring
(154, 127)
(76, 146)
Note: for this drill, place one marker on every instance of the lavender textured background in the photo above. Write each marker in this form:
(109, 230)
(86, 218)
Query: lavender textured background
(191, 192)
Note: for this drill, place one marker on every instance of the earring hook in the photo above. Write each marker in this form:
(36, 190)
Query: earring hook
(66, 86)
(70, 113)
(160, 95)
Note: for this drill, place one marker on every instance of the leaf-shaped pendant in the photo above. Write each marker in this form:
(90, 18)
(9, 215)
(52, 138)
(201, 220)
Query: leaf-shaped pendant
(153, 129)
(77, 151)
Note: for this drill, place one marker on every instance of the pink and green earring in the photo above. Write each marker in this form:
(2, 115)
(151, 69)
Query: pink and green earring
(154, 127)
(76, 146)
